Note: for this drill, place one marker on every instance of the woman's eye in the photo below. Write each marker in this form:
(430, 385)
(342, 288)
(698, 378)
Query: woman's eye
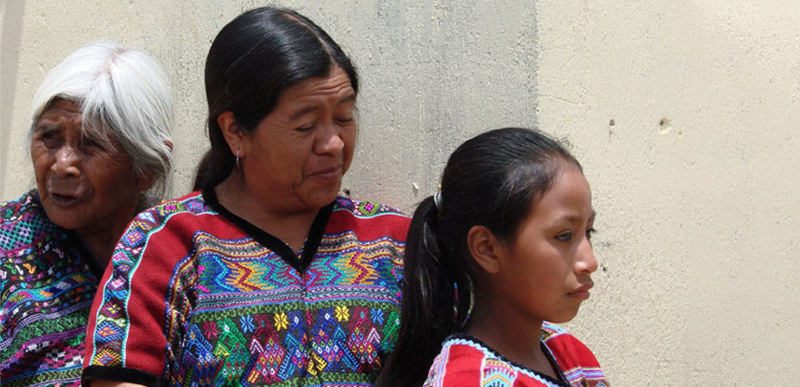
(345, 120)
(90, 145)
(48, 138)
(589, 233)
(564, 237)
(305, 128)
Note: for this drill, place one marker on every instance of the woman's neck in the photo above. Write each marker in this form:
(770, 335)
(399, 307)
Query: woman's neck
(102, 239)
(517, 339)
(289, 226)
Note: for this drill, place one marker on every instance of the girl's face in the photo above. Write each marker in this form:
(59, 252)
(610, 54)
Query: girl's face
(545, 271)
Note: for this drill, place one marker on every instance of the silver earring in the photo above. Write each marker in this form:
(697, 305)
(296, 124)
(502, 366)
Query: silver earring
(237, 158)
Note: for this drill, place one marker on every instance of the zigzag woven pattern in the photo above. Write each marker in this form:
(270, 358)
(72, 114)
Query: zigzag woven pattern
(47, 291)
(237, 313)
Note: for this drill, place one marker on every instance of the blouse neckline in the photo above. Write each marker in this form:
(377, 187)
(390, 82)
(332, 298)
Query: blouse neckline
(561, 381)
(310, 247)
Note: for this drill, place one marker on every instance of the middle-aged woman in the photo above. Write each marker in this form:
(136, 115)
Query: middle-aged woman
(99, 142)
(265, 275)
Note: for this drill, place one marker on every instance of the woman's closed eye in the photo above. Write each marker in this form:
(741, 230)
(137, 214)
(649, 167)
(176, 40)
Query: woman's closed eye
(344, 119)
(305, 128)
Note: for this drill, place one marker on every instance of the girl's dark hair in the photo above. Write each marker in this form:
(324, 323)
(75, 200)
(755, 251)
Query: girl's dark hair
(252, 61)
(490, 180)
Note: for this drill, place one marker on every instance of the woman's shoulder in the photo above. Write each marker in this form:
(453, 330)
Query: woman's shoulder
(370, 220)
(23, 221)
(365, 208)
(156, 217)
(193, 203)
(28, 203)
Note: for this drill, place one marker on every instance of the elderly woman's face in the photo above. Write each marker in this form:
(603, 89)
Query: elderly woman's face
(299, 152)
(82, 185)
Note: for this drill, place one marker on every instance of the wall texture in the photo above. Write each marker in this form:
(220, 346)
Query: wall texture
(682, 112)
(433, 74)
(685, 116)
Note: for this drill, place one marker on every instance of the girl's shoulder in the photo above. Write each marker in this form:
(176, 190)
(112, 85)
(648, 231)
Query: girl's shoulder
(465, 360)
(576, 360)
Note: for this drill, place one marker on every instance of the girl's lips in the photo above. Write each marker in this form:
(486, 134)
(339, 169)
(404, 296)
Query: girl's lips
(582, 292)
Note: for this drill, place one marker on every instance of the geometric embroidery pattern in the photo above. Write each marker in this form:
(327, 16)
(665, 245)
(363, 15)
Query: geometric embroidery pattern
(47, 289)
(236, 313)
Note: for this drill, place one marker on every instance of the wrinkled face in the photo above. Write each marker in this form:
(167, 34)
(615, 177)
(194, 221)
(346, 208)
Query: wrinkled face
(547, 267)
(298, 153)
(82, 184)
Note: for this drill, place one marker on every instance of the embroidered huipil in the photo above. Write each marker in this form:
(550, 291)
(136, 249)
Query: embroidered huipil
(197, 295)
(47, 280)
(466, 361)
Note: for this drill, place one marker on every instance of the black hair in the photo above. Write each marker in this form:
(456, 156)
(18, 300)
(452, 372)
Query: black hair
(252, 61)
(490, 180)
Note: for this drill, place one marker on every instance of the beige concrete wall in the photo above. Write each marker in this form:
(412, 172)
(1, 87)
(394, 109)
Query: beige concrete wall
(685, 115)
(433, 74)
(682, 112)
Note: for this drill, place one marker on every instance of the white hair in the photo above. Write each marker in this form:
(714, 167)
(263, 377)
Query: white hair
(124, 94)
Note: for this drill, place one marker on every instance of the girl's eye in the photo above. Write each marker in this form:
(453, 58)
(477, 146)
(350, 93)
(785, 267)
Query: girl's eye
(564, 237)
(589, 233)
(345, 120)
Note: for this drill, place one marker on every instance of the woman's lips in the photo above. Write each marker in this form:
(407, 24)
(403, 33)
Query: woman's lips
(64, 200)
(330, 174)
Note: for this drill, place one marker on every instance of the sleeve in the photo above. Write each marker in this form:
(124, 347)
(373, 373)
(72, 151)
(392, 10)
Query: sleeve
(127, 334)
(576, 360)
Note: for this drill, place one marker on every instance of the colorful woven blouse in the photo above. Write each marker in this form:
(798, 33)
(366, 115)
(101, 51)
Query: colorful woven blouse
(48, 278)
(466, 361)
(198, 295)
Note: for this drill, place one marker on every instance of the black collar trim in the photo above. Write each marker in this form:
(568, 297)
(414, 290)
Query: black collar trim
(553, 362)
(313, 238)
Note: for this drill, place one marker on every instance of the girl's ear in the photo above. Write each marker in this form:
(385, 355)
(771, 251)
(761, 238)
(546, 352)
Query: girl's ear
(485, 248)
(232, 133)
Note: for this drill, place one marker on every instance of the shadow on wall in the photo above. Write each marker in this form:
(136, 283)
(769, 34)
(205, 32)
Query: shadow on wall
(12, 12)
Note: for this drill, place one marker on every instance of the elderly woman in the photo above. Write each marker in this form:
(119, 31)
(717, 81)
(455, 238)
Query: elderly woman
(99, 142)
(265, 275)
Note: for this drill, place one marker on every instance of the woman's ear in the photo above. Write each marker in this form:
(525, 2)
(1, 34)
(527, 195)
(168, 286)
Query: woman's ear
(232, 133)
(485, 249)
(143, 183)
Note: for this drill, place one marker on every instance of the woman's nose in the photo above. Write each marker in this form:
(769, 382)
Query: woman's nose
(330, 141)
(67, 162)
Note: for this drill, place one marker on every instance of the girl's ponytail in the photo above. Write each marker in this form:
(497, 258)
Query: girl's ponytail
(428, 301)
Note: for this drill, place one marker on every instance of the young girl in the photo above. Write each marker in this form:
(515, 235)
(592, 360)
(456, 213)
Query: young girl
(503, 250)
